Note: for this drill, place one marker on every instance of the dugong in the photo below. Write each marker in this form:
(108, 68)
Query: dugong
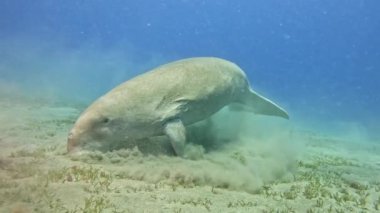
(164, 101)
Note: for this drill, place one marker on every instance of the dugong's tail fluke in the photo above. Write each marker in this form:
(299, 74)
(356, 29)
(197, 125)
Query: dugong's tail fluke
(260, 105)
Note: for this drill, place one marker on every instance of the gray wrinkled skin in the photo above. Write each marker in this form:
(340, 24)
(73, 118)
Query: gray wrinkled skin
(164, 101)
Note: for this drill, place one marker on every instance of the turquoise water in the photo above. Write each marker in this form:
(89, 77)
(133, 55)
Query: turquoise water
(317, 59)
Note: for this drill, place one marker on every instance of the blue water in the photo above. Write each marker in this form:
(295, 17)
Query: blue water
(318, 59)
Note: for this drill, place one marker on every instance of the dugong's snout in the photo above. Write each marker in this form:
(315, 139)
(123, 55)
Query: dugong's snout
(76, 139)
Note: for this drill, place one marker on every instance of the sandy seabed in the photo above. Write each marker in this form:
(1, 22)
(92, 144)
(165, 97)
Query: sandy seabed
(277, 170)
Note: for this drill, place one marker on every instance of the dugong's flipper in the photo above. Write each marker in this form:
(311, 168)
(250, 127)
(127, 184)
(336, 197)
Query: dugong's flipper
(253, 102)
(176, 132)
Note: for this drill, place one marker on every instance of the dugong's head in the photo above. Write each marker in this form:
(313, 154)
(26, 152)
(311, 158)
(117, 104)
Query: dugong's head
(97, 124)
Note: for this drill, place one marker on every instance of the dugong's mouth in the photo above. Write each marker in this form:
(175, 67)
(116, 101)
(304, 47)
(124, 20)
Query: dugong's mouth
(71, 142)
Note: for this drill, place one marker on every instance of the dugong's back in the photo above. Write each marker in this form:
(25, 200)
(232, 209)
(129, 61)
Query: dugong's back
(191, 89)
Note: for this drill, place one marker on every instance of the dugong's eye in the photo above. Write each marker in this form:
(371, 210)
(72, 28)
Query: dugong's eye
(105, 120)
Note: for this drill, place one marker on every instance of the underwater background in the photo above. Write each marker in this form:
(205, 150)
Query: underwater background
(320, 60)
